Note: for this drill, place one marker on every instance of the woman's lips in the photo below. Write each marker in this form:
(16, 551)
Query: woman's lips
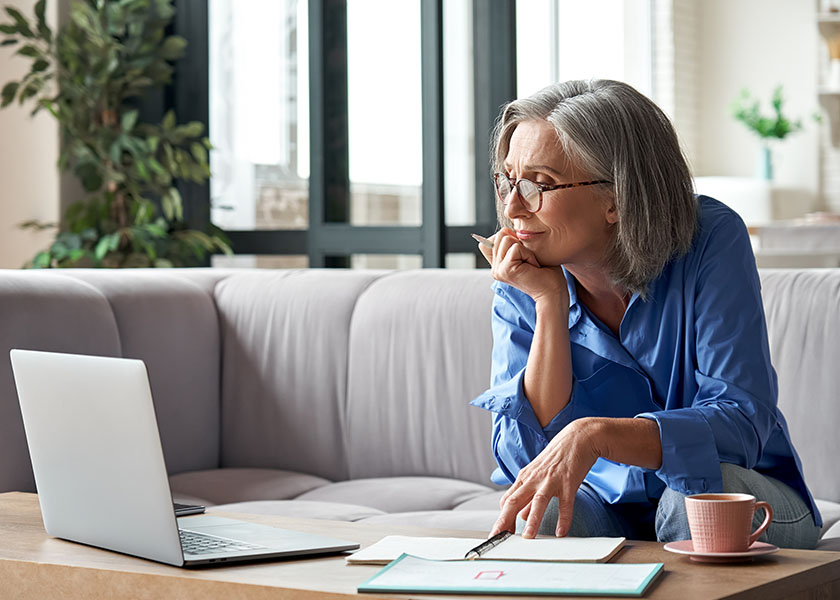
(524, 235)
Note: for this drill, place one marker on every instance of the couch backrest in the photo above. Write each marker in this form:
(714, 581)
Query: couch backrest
(420, 344)
(803, 321)
(349, 374)
(165, 319)
(284, 348)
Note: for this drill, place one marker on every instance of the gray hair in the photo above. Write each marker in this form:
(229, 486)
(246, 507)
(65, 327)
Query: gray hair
(613, 132)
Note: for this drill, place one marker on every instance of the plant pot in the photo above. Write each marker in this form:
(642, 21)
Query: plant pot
(764, 168)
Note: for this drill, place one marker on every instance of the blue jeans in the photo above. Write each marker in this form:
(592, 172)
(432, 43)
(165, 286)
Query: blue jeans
(792, 525)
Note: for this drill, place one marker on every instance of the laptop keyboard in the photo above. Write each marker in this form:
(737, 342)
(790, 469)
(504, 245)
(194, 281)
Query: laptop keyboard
(201, 543)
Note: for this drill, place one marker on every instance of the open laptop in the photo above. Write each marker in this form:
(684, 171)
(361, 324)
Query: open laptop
(98, 464)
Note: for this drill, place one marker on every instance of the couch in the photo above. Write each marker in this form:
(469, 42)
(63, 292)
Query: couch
(343, 394)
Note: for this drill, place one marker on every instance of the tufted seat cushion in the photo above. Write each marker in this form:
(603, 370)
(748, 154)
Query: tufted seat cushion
(472, 520)
(399, 494)
(302, 509)
(223, 486)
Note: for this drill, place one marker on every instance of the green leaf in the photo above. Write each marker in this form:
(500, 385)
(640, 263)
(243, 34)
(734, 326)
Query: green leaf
(20, 21)
(168, 121)
(9, 42)
(168, 206)
(129, 120)
(9, 29)
(8, 93)
(142, 170)
(178, 203)
(29, 50)
(43, 28)
(41, 260)
(101, 248)
(40, 65)
(191, 129)
(173, 47)
(199, 152)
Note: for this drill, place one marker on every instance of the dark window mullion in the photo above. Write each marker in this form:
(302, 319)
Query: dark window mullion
(494, 65)
(431, 35)
(329, 181)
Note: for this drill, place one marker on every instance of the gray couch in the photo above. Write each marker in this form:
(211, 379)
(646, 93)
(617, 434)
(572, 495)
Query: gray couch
(344, 394)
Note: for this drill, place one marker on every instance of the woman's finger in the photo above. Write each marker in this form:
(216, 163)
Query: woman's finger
(538, 505)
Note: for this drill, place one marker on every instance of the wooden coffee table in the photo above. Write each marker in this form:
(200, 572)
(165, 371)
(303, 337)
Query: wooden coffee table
(34, 565)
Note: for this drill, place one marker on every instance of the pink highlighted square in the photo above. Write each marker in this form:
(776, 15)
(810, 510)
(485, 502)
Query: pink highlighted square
(492, 575)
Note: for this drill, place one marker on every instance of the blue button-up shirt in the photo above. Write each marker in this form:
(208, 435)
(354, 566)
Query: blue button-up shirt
(692, 356)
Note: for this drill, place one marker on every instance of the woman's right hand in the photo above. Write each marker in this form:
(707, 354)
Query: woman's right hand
(512, 263)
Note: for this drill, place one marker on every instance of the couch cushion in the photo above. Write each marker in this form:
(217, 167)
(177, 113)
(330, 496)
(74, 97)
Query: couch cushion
(222, 486)
(830, 512)
(484, 502)
(52, 312)
(480, 521)
(420, 346)
(831, 541)
(170, 323)
(302, 509)
(399, 494)
(284, 375)
(803, 322)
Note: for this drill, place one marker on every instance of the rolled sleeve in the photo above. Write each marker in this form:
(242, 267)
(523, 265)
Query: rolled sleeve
(518, 436)
(733, 410)
(690, 462)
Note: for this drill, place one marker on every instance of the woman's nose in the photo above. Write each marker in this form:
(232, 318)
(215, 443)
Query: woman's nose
(515, 208)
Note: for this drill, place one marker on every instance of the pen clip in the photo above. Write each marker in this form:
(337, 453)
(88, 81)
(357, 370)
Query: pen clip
(487, 545)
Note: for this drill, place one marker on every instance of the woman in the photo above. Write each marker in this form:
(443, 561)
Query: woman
(630, 364)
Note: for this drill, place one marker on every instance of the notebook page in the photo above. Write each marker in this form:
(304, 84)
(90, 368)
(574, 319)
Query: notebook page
(432, 548)
(565, 549)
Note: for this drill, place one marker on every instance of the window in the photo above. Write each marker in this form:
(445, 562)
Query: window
(559, 40)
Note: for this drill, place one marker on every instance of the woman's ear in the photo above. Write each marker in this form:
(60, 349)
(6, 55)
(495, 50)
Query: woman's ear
(612, 213)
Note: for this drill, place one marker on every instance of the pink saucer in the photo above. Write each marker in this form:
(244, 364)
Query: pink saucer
(686, 547)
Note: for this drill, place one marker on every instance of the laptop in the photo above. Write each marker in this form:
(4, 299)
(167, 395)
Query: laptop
(95, 448)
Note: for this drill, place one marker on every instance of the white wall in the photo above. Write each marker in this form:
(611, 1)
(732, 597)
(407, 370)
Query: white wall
(757, 44)
(29, 180)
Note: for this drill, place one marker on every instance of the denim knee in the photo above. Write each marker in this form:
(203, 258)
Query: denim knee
(671, 520)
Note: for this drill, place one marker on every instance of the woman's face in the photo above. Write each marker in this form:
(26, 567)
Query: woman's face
(573, 227)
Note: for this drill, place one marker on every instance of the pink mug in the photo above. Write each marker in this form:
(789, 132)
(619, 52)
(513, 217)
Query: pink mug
(722, 522)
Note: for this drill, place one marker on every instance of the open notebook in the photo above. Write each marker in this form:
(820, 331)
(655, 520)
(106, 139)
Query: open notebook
(565, 549)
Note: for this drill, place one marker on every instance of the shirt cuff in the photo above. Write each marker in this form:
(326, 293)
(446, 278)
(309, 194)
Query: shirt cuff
(690, 461)
(508, 399)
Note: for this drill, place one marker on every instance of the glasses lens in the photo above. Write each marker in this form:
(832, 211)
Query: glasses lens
(503, 186)
(530, 193)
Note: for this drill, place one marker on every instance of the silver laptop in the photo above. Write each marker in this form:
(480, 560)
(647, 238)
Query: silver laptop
(96, 454)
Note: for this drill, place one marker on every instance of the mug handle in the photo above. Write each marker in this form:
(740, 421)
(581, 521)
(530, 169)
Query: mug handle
(768, 516)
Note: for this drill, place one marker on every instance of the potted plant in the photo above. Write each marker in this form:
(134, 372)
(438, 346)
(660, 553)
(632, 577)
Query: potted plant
(89, 75)
(768, 127)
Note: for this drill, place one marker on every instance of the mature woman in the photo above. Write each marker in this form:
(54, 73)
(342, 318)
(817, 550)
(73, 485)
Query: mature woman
(630, 363)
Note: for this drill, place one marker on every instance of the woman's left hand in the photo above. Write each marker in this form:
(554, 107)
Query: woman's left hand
(557, 471)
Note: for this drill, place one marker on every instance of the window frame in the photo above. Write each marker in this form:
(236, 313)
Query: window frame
(330, 239)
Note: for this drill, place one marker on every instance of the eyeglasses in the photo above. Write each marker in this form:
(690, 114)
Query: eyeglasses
(530, 192)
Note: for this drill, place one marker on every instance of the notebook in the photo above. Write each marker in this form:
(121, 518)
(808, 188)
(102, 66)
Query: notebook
(413, 575)
(93, 438)
(565, 549)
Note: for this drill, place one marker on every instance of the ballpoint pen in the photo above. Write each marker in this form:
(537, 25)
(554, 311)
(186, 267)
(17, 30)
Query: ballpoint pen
(482, 240)
(486, 545)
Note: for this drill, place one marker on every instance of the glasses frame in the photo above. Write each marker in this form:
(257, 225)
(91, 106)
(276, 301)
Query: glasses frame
(541, 187)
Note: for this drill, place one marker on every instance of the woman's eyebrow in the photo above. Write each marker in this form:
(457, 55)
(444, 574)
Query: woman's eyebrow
(531, 168)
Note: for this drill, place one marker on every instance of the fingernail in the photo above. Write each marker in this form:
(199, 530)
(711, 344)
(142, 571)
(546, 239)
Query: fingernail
(529, 532)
